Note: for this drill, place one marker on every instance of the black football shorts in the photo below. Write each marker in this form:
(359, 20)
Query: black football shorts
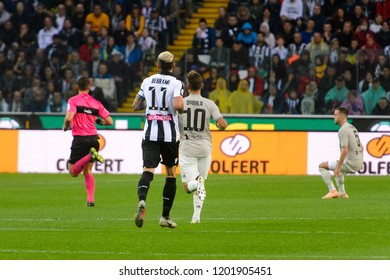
(81, 146)
(154, 152)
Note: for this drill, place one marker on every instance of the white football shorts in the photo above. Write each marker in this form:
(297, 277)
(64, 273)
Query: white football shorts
(192, 167)
(345, 168)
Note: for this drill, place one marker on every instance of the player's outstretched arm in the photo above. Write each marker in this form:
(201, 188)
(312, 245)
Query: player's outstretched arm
(105, 122)
(178, 104)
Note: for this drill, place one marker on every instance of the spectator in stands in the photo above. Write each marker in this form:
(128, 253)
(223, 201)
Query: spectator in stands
(300, 67)
(382, 108)
(362, 30)
(239, 57)
(274, 101)
(308, 33)
(383, 36)
(363, 65)
(269, 38)
(338, 20)
(291, 10)
(20, 15)
(260, 54)
(372, 95)
(120, 72)
(243, 15)
(287, 32)
(146, 9)
(20, 62)
(221, 22)
(318, 17)
(60, 16)
(353, 103)
(8, 33)
(280, 49)
(376, 26)
(229, 34)
(210, 83)
(132, 54)
(371, 48)
(330, 7)
(98, 18)
(296, 48)
(157, 27)
(346, 35)
(336, 95)
(384, 79)
(57, 104)
(135, 21)
(106, 82)
(38, 18)
(342, 64)
(241, 101)
(87, 48)
(308, 102)
(170, 10)
(25, 34)
(71, 37)
(204, 38)
(349, 80)
(219, 55)
(48, 75)
(247, 36)
(234, 80)
(327, 32)
(79, 17)
(50, 88)
(334, 51)
(98, 94)
(220, 95)
(358, 16)
(317, 47)
(3, 103)
(17, 104)
(365, 83)
(116, 16)
(8, 83)
(102, 38)
(353, 51)
(67, 80)
(381, 61)
(292, 103)
(93, 65)
(38, 103)
(45, 35)
(256, 83)
(75, 64)
(24, 80)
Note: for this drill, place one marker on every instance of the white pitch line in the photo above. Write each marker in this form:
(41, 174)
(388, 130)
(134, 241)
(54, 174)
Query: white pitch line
(198, 231)
(191, 256)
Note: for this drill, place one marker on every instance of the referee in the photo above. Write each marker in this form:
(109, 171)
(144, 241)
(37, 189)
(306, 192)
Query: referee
(82, 113)
(161, 95)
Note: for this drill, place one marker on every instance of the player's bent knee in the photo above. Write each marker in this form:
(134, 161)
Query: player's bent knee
(323, 165)
(185, 187)
(73, 174)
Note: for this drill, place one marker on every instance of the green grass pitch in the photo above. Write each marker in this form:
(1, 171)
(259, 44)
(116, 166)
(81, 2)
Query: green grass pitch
(44, 217)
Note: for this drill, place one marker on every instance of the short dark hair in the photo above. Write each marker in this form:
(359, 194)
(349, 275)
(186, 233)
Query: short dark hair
(165, 66)
(194, 80)
(83, 83)
(342, 110)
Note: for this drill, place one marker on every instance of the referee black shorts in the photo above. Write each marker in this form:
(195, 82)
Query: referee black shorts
(154, 152)
(81, 146)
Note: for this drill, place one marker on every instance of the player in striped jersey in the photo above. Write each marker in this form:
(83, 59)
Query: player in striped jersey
(161, 95)
(195, 141)
(82, 112)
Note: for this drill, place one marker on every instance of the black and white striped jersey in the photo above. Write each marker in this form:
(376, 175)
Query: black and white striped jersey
(159, 90)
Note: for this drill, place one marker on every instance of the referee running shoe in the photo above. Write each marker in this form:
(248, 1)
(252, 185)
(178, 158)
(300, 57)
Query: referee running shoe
(166, 222)
(140, 214)
(95, 156)
(201, 190)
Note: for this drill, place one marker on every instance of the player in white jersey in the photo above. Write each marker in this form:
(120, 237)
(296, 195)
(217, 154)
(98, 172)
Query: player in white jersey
(351, 156)
(195, 141)
(162, 97)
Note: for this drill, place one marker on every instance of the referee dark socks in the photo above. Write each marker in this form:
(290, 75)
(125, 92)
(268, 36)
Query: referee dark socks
(169, 193)
(144, 184)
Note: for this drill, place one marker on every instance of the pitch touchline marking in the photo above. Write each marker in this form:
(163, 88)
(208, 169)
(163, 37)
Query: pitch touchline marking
(190, 255)
(206, 219)
(200, 231)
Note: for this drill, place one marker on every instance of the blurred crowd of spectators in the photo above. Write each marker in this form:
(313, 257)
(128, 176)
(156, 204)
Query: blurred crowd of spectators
(260, 56)
(46, 45)
(295, 57)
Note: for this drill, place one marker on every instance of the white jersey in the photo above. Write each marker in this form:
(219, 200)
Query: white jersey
(349, 137)
(159, 90)
(195, 140)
